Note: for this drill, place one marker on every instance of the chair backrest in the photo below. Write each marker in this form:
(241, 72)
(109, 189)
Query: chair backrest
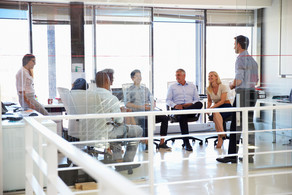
(88, 102)
(73, 125)
(66, 99)
(85, 102)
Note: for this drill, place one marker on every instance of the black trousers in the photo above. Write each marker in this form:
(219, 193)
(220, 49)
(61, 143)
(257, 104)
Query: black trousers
(183, 119)
(248, 98)
(163, 119)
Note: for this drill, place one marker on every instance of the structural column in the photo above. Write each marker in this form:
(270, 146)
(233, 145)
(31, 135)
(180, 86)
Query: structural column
(77, 39)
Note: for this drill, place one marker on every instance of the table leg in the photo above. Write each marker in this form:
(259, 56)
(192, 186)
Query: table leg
(274, 124)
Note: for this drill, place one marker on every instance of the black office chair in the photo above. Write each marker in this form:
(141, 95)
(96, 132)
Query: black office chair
(173, 119)
(224, 127)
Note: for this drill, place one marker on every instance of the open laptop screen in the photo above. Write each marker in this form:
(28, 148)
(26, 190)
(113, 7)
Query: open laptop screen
(4, 110)
(118, 92)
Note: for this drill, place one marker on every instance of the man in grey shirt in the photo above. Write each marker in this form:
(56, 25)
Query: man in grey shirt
(246, 77)
(138, 99)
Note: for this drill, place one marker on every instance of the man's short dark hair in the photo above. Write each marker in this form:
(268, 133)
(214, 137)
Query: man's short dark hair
(80, 83)
(100, 78)
(26, 58)
(134, 72)
(243, 41)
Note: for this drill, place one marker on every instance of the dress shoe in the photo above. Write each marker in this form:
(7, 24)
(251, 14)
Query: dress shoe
(187, 147)
(127, 167)
(250, 159)
(227, 160)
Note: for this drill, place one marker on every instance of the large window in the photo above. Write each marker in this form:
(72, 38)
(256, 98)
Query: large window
(177, 37)
(222, 27)
(52, 48)
(220, 49)
(123, 42)
(155, 40)
(14, 39)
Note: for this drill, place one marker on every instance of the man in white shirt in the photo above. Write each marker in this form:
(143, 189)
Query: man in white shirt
(183, 95)
(118, 129)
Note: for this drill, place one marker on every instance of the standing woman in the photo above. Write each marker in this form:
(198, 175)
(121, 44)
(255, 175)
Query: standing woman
(217, 98)
(25, 85)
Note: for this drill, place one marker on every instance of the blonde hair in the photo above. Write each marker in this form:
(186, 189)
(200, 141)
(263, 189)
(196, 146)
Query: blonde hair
(209, 88)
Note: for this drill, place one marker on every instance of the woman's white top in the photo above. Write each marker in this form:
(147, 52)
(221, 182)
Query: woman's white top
(24, 82)
(217, 97)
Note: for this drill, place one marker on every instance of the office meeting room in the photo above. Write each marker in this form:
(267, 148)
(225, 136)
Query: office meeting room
(146, 97)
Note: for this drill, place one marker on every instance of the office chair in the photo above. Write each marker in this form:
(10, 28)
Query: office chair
(86, 102)
(173, 119)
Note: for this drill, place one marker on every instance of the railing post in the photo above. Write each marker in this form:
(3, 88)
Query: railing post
(28, 160)
(40, 148)
(1, 152)
(245, 150)
(151, 125)
(51, 154)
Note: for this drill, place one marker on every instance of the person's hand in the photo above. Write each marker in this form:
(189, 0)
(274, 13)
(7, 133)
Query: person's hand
(123, 109)
(178, 107)
(147, 107)
(231, 85)
(186, 105)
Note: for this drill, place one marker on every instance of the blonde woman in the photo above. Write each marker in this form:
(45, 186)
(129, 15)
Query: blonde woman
(217, 98)
(25, 85)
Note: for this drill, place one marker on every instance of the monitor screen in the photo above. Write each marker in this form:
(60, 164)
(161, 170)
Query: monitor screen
(4, 110)
(118, 92)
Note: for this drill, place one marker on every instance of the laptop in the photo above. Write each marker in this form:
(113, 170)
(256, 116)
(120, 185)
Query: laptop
(4, 109)
(118, 92)
(287, 100)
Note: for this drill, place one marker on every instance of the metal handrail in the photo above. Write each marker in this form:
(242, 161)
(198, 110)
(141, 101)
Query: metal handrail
(66, 148)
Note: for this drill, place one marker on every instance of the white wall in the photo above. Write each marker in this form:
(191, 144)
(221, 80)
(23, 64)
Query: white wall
(273, 83)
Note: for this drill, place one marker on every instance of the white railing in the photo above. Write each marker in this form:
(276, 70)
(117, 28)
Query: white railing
(109, 182)
(103, 174)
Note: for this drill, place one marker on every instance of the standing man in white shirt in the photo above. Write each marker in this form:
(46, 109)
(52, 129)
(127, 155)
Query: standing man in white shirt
(183, 95)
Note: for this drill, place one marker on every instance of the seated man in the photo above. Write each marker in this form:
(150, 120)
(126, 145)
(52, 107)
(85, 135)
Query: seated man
(117, 128)
(138, 99)
(183, 95)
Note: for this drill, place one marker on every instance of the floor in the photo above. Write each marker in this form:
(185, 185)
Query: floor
(203, 166)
